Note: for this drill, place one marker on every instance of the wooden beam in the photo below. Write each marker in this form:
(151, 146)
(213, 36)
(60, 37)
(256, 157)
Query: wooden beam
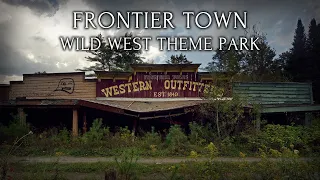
(258, 121)
(172, 122)
(297, 108)
(22, 116)
(161, 116)
(75, 122)
(134, 128)
(84, 117)
(308, 118)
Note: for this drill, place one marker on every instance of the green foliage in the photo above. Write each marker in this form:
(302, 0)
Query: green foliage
(151, 140)
(200, 135)
(224, 115)
(114, 59)
(193, 154)
(266, 169)
(173, 173)
(271, 141)
(96, 132)
(254, 65)
(4, 158)
(125, 133)
(275, 153)
(178, 59)
(212, 150)
(14, 130)
(176, 140)
(63, 137)
(277, 136)
(126, 165)
(298, 54)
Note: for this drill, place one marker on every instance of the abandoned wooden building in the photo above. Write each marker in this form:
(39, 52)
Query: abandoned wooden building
(152, 94)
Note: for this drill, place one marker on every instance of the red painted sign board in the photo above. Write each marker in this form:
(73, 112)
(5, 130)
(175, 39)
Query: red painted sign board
(153, 85)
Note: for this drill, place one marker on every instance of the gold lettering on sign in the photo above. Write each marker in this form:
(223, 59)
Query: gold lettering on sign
(148, 85)
(169, 85)
(185, 85)
(122, 90)
(127, 87)
(173, 84)
(135, 87)
(115, 90)
(142, 85)
(179, 82)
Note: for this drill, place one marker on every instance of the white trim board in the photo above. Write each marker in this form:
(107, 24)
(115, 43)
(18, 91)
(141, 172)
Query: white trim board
(155, 99)
(148, 99)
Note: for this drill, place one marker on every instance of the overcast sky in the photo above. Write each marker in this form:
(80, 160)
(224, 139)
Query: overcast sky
(30, 29)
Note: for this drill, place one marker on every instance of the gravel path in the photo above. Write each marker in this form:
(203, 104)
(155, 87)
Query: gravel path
(166, 160)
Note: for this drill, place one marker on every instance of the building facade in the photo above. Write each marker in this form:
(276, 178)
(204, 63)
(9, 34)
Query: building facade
(150, 95)
(157, 92)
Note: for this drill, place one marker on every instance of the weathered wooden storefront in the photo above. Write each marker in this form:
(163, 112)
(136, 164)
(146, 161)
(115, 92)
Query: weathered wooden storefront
(152, 94)
(161, 94)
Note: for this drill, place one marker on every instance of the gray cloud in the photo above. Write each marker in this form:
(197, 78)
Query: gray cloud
(15, 63)
(30, 45)
(39, 6)
(39, 38)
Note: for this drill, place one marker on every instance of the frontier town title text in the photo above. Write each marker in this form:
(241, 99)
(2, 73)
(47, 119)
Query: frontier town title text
(158, 20)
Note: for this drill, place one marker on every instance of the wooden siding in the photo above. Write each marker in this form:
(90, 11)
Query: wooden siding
(274, 93)
(54, 86)
(4, 92)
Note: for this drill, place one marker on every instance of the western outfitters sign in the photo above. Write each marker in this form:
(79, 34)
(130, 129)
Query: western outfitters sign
(157, 85)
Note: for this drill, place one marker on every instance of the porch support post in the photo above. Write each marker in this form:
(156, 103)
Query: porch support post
(84, 117)
(258, 121)
(22, 117)
(308, 118)
(75, 122)
(134, 125)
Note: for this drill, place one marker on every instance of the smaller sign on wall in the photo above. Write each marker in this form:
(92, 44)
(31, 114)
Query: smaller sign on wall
(66, 85)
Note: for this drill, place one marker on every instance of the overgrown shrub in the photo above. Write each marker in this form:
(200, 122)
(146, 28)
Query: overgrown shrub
(96, 132)
(212, 150)
(277, 136)
(225, 116)
(150, 139)
(14, 130)
(126, 165)
(271, 141)
(314, 136)
(62, 138)
(200, 134)
(176, 140)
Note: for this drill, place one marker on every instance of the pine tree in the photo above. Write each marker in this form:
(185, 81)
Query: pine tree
(316, 82)
(313, 47)
(295, 67)
(125, 57)
(282, 60)
(108, 59)
(312, 53)
(226, 60)
(178, 59)
(104, 57)
(260, 64)
(255, 65)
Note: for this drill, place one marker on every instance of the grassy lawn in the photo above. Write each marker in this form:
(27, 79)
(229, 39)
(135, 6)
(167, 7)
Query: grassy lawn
(265, 169)
(276, 141)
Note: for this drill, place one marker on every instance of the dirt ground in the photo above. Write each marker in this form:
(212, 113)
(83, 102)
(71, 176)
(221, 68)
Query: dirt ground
(166, 160)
